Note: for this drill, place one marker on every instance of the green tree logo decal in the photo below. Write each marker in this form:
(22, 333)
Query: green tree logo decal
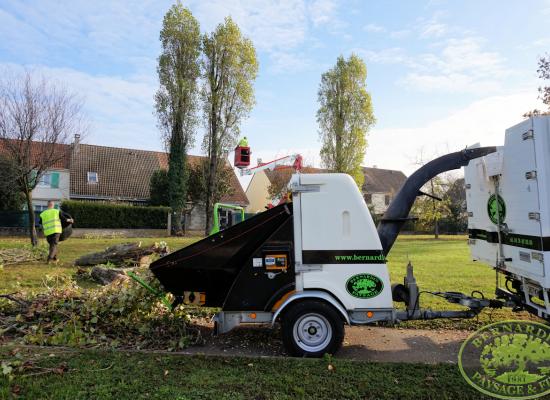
(496, 208)
(364, 286)
(508, 360)
(509, 357)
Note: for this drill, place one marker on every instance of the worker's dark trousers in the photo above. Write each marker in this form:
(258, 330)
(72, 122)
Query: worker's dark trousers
(53, 240)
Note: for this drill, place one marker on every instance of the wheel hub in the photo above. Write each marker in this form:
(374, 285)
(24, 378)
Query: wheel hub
(312, 332)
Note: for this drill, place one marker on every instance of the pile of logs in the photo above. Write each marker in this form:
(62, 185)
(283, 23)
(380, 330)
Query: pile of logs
(108, 264)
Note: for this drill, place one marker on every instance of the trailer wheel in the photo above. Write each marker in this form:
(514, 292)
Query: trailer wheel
(312, 328)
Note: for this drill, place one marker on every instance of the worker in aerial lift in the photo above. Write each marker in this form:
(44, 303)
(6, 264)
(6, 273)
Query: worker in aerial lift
(243, 142)
(242, 154)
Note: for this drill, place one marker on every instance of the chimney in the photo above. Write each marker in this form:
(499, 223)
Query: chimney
(76, 143)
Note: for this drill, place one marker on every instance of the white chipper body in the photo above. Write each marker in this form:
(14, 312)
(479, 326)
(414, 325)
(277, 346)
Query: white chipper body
(508, 204)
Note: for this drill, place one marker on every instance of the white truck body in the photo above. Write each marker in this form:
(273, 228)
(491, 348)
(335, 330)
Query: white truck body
(508, 204)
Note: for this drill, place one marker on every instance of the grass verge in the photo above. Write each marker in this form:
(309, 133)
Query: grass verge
(92, 374)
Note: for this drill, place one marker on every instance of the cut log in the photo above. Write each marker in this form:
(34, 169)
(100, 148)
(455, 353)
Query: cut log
(105, 276)
(121, 255)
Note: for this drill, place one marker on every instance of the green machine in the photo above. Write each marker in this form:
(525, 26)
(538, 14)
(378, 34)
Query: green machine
(223, 222)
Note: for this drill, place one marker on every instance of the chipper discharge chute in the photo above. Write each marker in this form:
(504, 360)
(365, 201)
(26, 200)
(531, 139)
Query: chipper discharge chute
(313, 265)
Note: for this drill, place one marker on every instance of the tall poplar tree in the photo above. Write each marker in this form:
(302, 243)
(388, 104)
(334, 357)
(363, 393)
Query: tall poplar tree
(177, 99)
(345, 117)
(229, 69)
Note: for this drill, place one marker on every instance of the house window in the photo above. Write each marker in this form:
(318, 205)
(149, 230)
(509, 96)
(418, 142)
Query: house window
(92, 177)
(49, 180)
(45, 180)
(368, 198)
(387, 199)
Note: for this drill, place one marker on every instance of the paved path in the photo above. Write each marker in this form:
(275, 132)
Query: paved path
(360, 343)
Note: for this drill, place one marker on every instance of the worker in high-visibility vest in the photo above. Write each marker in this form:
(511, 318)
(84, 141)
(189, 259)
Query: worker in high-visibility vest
(243, 142)
(52, 227)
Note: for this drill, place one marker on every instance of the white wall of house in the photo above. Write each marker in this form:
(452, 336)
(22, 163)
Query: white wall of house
(196, 220)
(257, 193)
(51, 188)
(379, 203)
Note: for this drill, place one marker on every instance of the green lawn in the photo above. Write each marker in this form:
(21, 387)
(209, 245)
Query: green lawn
(31, 276)
(439, 265)
(445, 265)
(90, 374)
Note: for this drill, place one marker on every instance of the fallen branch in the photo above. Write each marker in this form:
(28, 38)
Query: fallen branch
(21, 255)
(12, 297)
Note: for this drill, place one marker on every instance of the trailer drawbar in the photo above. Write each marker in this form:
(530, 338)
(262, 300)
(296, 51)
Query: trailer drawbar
(318, 262)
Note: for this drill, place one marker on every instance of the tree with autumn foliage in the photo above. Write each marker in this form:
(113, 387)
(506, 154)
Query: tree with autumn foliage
(345, 116)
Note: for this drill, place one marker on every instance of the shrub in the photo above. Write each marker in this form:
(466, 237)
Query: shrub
(158, 187)
(89, 214)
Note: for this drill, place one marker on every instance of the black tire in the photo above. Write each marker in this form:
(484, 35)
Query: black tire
(312, 328)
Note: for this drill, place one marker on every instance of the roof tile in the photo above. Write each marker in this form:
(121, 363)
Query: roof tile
(124, 174)
(377, 180)
(60, 152)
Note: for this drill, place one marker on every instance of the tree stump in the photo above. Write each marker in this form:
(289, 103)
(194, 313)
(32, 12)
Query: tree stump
(105, 276)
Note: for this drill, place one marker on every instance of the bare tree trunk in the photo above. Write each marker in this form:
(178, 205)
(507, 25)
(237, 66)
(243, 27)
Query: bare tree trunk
(436, 220)
(177, 229)
(212, 169)
(30, 210)
(211, 185)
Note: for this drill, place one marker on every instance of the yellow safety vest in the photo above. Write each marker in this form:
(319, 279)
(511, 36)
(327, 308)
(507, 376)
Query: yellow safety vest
(50, 221)
(243, 142)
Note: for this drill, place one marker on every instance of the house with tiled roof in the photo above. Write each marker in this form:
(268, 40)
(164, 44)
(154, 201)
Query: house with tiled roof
(53, 184)
(379, 188)
(101, 173)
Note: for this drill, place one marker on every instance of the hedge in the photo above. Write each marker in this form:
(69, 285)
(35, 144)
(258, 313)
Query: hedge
(88, 214)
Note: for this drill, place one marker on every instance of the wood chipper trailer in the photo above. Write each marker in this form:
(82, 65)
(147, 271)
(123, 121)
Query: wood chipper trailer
(319, 262)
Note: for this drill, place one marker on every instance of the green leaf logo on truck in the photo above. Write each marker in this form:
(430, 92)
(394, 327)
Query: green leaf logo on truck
(496, 208)
(364, 286)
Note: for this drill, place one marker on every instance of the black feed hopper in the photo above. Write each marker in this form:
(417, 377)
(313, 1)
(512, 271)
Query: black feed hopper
(234, 267)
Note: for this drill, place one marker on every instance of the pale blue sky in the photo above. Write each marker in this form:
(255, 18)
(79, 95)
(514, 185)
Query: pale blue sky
(442, 74)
